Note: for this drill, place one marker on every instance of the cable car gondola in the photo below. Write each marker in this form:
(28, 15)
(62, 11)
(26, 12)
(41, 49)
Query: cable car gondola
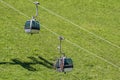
(64, 64)
(33, 26)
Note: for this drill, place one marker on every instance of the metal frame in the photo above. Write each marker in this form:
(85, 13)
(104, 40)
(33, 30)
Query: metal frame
(33, 18)
(63, 56)
(36, 3)
(60, 46)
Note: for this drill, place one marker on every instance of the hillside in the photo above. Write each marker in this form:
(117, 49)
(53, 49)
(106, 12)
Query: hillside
(92, 39)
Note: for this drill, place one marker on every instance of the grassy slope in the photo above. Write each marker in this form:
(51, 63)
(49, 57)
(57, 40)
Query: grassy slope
(99, 17)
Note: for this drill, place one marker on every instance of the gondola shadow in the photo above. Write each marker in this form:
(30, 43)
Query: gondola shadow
(27, 65)
(43, 62)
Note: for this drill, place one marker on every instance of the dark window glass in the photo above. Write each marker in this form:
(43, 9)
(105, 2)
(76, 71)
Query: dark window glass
(35, 25)
(27, 25)
(68, 61)
(57, 64)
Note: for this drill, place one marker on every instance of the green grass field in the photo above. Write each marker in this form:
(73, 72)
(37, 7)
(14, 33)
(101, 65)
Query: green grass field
(92, 39)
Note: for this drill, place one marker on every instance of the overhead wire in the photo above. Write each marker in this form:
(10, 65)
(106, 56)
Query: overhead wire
(74, 44)
(66, 39)
(67, 20)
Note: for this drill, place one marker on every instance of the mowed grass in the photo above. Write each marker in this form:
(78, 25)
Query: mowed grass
(24, 56)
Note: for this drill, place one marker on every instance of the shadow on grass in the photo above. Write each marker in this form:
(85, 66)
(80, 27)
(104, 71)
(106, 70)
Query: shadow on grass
(27, 65)
(45, 61)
